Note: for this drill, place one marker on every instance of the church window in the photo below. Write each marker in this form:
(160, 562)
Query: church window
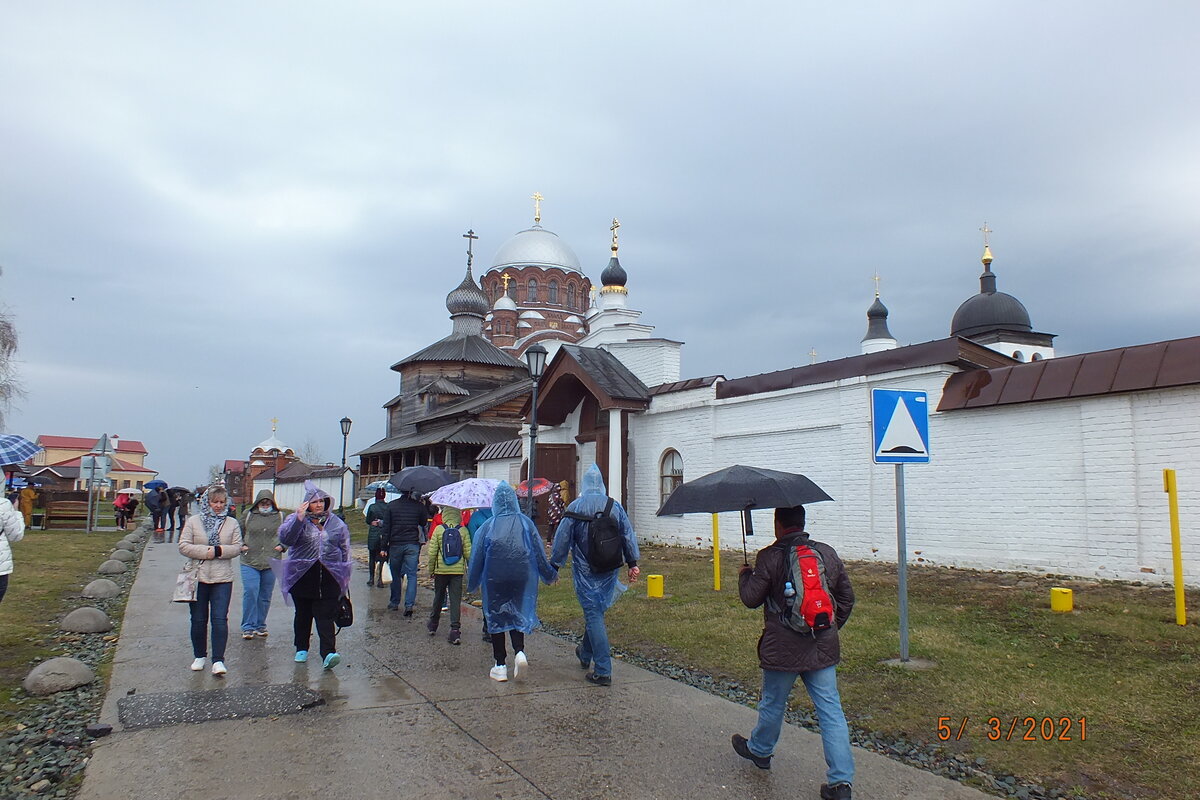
(670, 474)
(552, 288)
(1036, 357)
(532, 295)
(571, 296)
(1018, 355)
(512, 292)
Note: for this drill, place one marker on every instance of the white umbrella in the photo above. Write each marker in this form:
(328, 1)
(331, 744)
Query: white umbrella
(130, 490)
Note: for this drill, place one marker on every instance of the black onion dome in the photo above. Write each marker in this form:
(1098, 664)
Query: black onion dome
(989, 310)
(877, 327)
(467, 298)
(614, 274)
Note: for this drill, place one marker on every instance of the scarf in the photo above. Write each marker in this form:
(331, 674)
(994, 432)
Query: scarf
(212, 522)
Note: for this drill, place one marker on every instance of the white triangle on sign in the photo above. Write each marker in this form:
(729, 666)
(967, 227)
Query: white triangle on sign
(901, 436)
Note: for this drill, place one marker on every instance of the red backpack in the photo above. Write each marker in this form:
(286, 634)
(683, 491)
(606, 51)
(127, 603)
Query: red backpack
(808, 604)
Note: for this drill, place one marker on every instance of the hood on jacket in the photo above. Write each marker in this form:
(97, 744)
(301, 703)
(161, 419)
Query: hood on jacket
(266, 494)
(504, 501)
(451, 516)
(593, 482)
(313, 492)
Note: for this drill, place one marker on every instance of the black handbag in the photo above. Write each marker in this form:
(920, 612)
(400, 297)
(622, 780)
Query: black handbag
(345, 613)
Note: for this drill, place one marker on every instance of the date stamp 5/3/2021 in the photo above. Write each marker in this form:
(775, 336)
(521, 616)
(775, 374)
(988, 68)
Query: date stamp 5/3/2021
(1021, 729)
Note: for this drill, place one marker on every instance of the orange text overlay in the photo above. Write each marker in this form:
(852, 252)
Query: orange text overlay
(1015, 729)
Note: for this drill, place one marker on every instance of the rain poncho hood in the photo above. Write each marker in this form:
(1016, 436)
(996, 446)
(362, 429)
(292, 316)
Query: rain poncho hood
(308, 545)
(507, 558)
(594, 590)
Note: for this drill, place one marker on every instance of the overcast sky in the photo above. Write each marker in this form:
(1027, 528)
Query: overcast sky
(216, 213)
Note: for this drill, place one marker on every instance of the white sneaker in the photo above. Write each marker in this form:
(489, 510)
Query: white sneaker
(219, 668)
(198, 664)
(499, 673)
(520, 664)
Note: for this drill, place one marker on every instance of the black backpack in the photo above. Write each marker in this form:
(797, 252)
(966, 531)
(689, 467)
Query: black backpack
(452, 545)
(606, 545)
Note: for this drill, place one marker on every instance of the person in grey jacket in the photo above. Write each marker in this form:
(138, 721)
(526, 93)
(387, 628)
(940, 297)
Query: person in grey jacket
(12, 529)
(260, 540)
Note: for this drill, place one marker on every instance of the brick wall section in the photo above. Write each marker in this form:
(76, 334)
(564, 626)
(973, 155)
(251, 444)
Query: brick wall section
(1068, 486)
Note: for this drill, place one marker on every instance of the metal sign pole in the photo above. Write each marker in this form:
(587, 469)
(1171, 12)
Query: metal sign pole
(902, 561)
(91, 491)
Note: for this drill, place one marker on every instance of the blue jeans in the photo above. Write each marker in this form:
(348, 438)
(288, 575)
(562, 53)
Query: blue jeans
(835, 734)
(256, 597)
(402, 558)
(211, 604)
(595, 640)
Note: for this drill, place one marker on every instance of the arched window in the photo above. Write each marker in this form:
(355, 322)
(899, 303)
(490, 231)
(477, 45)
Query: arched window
(1036, 357)
(532, 295)
(670, 474)
(512, 291)
(553, 292)
(1018, 355)
(571, 296)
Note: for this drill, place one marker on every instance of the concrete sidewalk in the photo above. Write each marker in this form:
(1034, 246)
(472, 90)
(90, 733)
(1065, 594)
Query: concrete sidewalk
(407, 715)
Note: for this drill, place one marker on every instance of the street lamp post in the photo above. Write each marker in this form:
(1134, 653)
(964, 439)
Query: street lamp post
(345, 422)
(535, 359)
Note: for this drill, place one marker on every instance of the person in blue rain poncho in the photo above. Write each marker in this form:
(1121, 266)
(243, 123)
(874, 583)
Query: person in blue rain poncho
(316, 573)
(596, 590)
(507, 558)
(478, 517)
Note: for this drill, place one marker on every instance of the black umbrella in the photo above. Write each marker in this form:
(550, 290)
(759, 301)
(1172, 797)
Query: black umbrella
(739, 488)
(421, 480)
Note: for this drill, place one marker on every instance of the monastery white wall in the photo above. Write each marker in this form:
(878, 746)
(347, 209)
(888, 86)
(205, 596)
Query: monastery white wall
(1068, 486)
(653, 361)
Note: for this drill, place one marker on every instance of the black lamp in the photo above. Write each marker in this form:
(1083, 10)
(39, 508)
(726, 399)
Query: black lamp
(345, 422)
(535, 359)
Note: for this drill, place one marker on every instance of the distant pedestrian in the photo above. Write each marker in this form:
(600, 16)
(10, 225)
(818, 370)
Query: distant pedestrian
(214, 539)
(375, 514)
(12, 529)
(121, 509)
(316, 574)
(596, 588)
(478, 517)
(158, 503)
(449, 554)
(404, 523)
(27, 496)
(791, 575)
(260, 537)
(508, 559)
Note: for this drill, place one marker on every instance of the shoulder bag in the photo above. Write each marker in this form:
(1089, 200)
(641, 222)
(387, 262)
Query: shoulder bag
(185, 582)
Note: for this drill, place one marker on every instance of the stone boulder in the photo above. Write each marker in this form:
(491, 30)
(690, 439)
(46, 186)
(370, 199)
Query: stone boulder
(122, 555)
(112, 567)
(56, 675)
(124, 545)
(86, 620)
(101, 588)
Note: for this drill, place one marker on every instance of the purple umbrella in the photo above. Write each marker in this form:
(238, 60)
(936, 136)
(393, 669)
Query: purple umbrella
(469, 493)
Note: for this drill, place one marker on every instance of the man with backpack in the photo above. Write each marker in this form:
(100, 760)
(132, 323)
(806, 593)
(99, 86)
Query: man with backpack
(595, 531)
(806, 595)
(449, 552)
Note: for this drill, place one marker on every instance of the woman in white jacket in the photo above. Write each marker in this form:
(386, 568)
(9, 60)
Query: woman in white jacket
(12, 529)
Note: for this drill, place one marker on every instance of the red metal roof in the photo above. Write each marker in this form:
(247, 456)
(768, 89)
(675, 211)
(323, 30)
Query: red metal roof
(117, 466)
(234, 465)
(84, 443)
(1126, 369)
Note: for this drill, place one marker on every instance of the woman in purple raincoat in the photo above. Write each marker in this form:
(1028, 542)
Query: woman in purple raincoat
(316, 573)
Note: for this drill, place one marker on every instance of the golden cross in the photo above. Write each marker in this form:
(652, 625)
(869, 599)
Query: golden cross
(274, 422)
(470, 237)
(876, 279)
(813, 355)
(616, 224)
(537, 208)
(986, 230)
(506, 279)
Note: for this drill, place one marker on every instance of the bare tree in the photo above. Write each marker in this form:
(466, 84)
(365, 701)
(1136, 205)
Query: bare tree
(10, 387)
(216, 475)
(310, 452)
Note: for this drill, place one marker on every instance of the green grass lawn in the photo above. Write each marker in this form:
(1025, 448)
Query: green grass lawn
(1118, 662)
(50, 568)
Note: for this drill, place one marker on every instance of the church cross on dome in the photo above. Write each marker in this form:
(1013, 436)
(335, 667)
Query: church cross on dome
(813, 355)
(274, 422)
(877, 279)
(986, 230)
(471, 237)
(505, 277)
(615, 224)
(537, 208)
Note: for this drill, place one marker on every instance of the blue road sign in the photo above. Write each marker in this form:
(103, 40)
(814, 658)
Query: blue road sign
(900, 426)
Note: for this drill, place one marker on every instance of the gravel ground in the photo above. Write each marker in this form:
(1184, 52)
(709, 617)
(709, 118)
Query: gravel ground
(920, 754)
(46, 754)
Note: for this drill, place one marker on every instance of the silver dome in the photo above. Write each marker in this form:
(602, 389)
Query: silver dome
(536, 247)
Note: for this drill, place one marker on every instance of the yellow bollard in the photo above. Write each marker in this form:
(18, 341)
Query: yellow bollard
(1172, 490)
(1061, 599)
(716, 555)
(654, 586)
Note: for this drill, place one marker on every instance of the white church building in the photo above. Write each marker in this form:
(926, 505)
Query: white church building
(1039, 463)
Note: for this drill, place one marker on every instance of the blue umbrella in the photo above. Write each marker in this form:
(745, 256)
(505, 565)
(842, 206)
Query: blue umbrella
(387, 487)
(14, 449)
(156, 484)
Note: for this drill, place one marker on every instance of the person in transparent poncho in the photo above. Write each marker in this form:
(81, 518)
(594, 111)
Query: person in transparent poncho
(507, 559)
(316, 573)
(596, 591)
